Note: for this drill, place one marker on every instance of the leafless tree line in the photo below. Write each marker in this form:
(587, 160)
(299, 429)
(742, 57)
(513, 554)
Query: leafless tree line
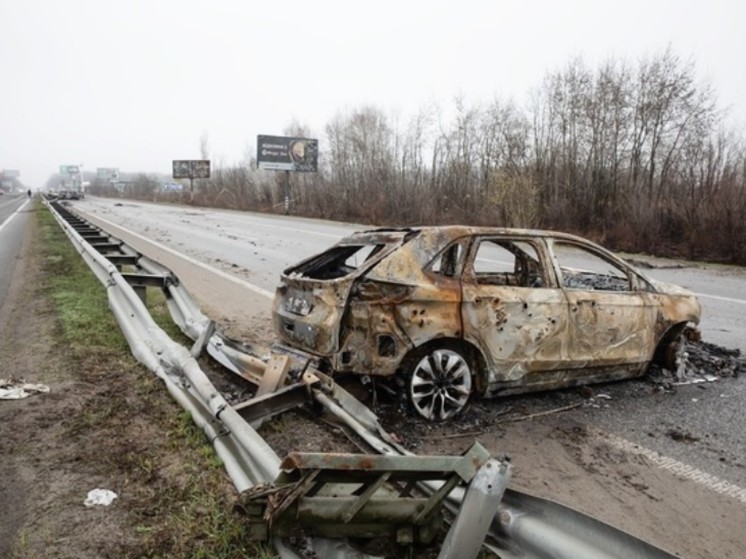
(635, 156)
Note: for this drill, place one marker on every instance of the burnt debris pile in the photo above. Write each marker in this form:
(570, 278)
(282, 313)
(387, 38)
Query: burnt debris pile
(700, 362)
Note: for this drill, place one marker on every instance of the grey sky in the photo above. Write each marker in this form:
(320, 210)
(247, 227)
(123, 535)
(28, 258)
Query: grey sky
(133, 84)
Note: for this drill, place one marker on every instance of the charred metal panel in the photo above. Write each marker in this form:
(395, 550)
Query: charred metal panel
(607, 327)
(522, 330)
(308, 314)
(433, 311)
(365, 325)
(408, 263)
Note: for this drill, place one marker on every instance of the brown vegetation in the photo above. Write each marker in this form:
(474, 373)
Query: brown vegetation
(637, 157)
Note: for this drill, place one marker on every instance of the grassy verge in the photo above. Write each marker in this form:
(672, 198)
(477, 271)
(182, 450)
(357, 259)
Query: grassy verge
(177, 497)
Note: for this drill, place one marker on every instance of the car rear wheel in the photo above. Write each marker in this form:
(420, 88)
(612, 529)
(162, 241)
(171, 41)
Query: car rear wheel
(440, 384)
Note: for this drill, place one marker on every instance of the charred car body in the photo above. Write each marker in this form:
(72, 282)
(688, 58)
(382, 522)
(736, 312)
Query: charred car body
(461, 310)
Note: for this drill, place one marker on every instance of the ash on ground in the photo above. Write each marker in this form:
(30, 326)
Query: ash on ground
(700, 362)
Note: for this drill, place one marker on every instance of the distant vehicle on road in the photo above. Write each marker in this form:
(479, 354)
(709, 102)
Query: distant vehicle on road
(456, 311)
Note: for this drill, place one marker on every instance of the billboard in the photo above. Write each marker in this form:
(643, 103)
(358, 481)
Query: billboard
(69, 169)
(283, 153)
(191, 169)
(107, 173)
(10, 173)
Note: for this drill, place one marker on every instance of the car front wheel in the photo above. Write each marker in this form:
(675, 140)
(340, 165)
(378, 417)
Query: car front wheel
(440, 384)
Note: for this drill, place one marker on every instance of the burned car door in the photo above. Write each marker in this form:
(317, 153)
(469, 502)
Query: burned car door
(434, 308)
(513, 310)
(612, 319)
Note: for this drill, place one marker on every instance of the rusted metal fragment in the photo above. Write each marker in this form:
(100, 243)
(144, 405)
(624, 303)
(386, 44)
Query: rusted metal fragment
(481, 502)
(403, 467)
(361, 495)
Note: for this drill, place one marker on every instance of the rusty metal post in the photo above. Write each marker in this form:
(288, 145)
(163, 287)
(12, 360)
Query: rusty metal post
(478, 509)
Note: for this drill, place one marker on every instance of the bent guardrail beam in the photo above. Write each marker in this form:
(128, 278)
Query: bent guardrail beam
(246, 456)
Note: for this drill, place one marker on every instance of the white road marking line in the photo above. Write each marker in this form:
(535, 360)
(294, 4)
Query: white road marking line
(222, 274)
(337, 237)
(719, 298)
(674, 466)
(4, 223)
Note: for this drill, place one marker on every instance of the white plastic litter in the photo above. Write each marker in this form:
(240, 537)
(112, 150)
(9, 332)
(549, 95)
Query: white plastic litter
(100, 497)
(11, 389)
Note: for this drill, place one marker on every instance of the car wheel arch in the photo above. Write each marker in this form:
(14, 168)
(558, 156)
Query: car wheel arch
(440, 378)
(667, 347)
(476, 359)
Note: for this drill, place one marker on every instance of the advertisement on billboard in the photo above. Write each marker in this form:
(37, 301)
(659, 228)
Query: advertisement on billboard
(191, 169)
(283, 153)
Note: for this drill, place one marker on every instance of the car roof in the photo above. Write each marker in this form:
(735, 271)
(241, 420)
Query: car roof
(457, 231)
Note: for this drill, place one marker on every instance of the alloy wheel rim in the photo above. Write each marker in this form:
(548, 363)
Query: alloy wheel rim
(440, 385)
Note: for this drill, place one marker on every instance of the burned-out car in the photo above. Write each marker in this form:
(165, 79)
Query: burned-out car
(461, 310)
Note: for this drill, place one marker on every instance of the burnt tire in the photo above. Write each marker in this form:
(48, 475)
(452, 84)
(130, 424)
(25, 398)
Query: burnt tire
(440, 383)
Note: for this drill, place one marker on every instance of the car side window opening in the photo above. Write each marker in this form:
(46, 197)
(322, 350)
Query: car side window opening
(584, 270)
(448, 262)
(501, 262)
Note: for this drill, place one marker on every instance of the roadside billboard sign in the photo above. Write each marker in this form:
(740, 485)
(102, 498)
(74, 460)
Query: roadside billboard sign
(10, 173)
(191, 169)
(284, 153)
(201, 169)
(69, 169)
(107, 173)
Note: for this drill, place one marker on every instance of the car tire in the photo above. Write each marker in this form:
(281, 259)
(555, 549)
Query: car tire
(440, 382)
(676, 357)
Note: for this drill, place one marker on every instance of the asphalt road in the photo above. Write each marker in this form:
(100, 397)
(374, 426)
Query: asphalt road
(709, 417)
(13, 220)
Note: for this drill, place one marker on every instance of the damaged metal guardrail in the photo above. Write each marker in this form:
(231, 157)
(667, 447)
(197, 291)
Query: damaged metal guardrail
(392, 492)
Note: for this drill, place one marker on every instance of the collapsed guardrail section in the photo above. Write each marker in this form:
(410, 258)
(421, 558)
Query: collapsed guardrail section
(329, 495)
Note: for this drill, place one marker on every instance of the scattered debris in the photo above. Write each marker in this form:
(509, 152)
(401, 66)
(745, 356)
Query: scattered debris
(103, 497)
(681, 437)
(700, 362)
(11, 389)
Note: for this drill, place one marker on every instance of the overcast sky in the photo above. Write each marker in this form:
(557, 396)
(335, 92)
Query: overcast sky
(134, 84)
